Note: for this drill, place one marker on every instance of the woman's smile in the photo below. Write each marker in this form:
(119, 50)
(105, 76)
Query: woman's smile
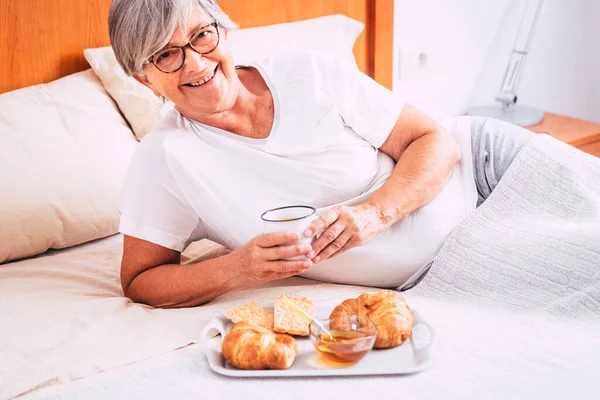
(204, 80)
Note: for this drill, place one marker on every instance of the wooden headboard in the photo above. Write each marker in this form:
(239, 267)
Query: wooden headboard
(43, 40)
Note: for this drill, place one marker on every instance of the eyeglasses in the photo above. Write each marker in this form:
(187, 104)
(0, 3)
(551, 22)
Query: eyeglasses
(172, 58)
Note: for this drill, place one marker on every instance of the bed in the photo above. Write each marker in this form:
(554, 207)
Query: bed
(67, 332)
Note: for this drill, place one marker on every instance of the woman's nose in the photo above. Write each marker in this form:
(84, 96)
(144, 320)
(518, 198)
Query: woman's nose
(194, 60)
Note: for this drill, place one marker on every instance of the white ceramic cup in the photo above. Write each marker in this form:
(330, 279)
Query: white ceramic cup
(290, 219)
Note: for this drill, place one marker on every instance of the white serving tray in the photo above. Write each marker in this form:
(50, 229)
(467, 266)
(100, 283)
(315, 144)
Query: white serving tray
(414, 355)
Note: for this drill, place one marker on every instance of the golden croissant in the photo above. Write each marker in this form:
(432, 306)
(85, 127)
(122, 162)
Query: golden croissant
(388, 311)
(254, 347)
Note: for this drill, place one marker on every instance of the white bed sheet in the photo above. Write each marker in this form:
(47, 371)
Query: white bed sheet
(67, 333)
(481, 353)
(63, 316)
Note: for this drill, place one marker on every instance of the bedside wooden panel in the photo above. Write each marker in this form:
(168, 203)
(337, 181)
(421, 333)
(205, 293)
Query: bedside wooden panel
(592, 148)
(585, 135)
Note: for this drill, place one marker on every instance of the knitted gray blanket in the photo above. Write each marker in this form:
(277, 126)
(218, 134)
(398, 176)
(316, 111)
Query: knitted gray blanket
(535, 243)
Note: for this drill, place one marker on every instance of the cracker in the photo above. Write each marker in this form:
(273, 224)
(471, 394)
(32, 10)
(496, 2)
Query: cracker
(288, 320)
(251, 313)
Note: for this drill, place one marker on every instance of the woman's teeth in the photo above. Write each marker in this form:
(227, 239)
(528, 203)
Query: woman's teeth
(202, 81)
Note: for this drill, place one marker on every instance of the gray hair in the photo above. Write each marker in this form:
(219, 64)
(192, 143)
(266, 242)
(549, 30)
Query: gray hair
(140, 28)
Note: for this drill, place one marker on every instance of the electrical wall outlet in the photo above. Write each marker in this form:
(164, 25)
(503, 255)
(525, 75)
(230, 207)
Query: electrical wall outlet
(412, 64)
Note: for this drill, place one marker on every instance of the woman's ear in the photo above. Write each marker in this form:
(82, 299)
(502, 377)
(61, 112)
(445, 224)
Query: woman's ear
(143, 79)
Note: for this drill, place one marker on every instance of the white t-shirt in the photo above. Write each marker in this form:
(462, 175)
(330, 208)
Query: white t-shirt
(188, 181)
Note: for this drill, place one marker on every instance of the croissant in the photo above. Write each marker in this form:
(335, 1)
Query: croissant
(253, 347)
(388, 311)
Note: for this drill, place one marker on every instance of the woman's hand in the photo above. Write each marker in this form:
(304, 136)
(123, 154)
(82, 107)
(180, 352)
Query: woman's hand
(344, 228)
(262, 258)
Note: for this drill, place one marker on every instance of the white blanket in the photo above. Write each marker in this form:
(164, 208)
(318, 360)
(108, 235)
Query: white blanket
(535, 243)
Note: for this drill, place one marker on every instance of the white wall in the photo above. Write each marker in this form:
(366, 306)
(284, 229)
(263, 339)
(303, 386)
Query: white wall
(468, 43)
(593, 35)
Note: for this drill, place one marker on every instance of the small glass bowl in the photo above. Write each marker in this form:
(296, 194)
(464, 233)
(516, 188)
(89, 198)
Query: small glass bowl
(353, 338)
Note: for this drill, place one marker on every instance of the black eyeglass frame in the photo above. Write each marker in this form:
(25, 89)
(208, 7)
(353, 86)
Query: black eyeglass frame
(215, 24)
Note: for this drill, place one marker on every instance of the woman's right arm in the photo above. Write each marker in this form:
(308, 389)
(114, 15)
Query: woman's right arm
(152, 274)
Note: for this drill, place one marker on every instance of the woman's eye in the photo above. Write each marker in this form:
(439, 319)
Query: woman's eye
(162, 56)
(165, 55)
(203, 37)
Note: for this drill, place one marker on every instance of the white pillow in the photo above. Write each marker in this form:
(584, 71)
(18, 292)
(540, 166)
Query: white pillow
(333, 34)
(140, 107)
(64, 151)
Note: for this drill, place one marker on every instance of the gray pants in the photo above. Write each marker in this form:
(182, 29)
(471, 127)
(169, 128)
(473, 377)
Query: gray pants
(495, 145)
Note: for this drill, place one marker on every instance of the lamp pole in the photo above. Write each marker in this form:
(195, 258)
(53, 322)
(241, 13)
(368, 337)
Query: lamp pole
(509, 110)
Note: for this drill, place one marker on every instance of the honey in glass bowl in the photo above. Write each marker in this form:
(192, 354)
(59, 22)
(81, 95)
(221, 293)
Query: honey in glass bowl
(344, 347)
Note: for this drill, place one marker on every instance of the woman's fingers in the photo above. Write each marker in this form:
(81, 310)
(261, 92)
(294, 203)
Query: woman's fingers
(281, 252)
(335, 247)
(266, 257)
(323, 222)
(266, 240)
(330, 235)
(283, 269)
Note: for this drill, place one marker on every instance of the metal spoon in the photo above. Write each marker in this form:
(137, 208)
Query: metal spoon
(306, 316)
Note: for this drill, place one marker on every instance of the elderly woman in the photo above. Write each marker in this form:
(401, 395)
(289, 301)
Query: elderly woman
(389, 183)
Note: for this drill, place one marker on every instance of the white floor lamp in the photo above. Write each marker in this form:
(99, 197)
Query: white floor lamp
(508, 109)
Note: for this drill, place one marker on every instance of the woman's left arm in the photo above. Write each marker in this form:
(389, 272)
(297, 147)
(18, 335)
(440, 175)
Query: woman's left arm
(425, 155)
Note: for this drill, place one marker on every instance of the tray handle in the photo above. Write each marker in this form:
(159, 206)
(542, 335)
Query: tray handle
(423, 339)
(218, 325)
